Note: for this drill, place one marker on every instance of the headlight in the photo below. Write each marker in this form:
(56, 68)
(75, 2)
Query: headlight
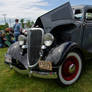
(48, 39)
(21, 39)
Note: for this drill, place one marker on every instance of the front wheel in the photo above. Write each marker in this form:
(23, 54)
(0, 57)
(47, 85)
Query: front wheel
(69, 71)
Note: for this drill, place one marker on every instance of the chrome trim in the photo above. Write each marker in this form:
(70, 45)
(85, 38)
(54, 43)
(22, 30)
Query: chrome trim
(43, 47)
(24, 47)
(24, 72)
(31, 66)
(44, 74)
(34, 73)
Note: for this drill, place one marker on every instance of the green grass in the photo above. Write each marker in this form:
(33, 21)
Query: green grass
(11, 81)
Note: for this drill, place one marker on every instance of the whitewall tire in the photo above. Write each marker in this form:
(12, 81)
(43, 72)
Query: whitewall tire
(69, 71)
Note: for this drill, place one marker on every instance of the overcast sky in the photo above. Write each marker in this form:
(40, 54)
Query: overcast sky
(31, 9)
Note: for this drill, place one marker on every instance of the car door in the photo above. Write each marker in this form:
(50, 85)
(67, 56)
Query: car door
(87, 25)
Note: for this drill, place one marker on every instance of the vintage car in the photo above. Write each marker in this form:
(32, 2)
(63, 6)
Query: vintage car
(56, 44)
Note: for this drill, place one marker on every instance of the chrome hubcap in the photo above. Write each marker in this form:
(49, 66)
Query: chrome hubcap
(72, 68)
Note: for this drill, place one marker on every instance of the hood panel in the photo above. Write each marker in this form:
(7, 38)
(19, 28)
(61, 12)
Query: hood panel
(56, 17)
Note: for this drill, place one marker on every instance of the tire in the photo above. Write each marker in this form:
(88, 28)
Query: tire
(70, 69)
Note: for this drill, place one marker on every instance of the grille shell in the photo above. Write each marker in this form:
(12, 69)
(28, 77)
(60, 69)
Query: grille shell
(35, 37)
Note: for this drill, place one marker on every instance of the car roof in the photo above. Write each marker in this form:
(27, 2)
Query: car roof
(82, 6)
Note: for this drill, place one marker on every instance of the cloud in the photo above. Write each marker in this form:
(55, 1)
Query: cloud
(22, 8)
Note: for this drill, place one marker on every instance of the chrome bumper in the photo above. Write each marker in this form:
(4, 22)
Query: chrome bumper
(33, 73)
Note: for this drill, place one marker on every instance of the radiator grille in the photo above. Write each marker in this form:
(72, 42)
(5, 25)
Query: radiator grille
(34, 45)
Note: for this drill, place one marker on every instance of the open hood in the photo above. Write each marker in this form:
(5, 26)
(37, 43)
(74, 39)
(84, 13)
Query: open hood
(61, 15)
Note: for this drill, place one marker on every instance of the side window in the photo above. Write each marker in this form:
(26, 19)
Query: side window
(89, 15)
(78, 14)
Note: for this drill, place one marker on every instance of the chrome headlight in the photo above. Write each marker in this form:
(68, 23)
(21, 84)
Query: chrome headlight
(48, 39)
(21, 39)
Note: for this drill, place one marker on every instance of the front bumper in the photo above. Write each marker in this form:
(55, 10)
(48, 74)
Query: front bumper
(29, 72)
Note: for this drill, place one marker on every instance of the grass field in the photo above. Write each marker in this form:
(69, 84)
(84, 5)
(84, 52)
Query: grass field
(11, 81)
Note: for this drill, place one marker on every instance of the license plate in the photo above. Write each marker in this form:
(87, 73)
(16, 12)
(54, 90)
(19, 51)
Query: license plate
(8, 58)
(46, 65)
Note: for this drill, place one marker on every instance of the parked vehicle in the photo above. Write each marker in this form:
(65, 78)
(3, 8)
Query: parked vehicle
(56, 44)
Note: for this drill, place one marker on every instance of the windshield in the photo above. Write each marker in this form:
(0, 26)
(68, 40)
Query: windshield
(78, 14)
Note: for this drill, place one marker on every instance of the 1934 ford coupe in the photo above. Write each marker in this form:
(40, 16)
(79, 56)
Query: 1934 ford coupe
(56, 44)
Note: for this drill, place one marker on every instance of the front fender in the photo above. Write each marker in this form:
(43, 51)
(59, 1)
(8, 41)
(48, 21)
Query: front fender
(15, 52)
(56, 56)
